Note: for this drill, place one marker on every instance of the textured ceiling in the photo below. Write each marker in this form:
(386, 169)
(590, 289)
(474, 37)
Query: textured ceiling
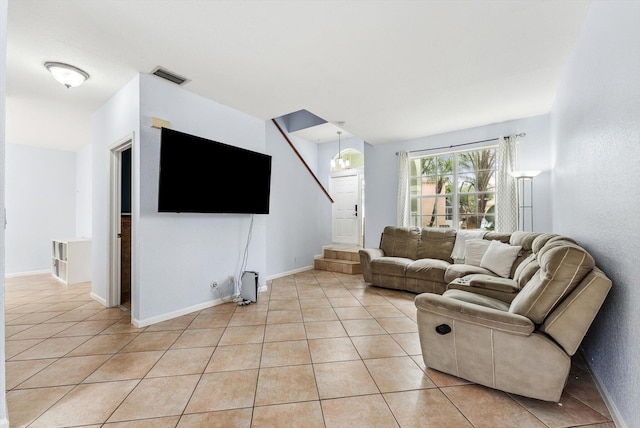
(391, 70)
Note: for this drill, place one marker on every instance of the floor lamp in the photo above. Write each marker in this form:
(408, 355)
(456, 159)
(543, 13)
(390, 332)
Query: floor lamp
(525, 201)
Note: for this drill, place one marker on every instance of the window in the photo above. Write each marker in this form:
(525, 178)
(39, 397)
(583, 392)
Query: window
(455, 190)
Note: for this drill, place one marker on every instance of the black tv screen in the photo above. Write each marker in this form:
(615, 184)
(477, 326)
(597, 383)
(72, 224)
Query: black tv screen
(198, 175)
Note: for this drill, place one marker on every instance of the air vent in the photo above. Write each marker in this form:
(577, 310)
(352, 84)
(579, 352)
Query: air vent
(169, 75)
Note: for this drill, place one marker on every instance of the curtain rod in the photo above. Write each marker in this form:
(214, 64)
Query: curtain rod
(522, 134)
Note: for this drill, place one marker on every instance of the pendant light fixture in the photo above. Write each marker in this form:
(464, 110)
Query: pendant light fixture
(342, 163)
(66, 74)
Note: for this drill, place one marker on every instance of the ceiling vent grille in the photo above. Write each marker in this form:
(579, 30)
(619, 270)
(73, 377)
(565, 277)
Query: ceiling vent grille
(169, 75)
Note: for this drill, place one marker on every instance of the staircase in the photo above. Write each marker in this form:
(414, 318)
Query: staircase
(339, 258)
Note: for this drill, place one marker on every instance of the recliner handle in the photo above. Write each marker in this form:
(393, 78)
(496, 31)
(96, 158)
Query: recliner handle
(443, 329)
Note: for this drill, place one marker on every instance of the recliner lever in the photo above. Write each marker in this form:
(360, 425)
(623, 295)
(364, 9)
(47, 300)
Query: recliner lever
(443, 329)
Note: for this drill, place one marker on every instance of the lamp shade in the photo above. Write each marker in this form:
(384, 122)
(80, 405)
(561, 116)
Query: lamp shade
(66, 74)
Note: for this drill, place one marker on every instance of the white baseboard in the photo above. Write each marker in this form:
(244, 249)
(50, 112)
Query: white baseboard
(291, 272)
(32, 272)
(98, 299)
(170, 315)
(4, 423)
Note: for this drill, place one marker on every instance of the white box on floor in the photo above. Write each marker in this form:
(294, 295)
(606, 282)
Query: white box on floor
(249, 286)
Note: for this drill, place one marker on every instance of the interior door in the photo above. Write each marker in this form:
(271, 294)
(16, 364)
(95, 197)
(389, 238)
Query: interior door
(346, 210)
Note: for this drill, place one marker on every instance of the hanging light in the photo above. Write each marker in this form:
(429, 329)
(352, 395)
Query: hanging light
(66, 74)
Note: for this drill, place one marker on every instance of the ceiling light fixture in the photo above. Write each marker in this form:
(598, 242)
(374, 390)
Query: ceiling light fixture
(342, 163)
(66, 74)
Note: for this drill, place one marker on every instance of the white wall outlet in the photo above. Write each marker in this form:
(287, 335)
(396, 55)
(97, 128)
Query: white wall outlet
(214, 284)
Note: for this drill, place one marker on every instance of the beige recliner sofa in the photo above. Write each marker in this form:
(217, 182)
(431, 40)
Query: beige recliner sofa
(521, 343)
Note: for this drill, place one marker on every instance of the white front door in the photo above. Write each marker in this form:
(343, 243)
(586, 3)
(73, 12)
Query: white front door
(345, 191)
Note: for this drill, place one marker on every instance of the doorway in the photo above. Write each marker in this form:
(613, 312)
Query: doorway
(120, 218)
(347, 212)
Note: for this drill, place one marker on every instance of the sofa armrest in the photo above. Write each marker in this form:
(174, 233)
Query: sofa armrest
(475, 314)
(366, 255)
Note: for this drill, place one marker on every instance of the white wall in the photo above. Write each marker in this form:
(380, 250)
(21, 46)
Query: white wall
(178, 255)
(381, 168)
(40, 203)
(596, 140)
(4, 422)
(83, 191)
(300, 220)
(115, 120)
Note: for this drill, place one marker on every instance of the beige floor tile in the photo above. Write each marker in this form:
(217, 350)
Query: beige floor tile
(65, 371)
(74, 315)
(129, 365)
(363, 327)
(388, 311)
(361, 411)
(104, 344)
(319, 314)
(86, 328)
(33, 318)
(52, 348)
(25, 405)
(123, 326)
(284, 331)
(156, 397)
(242, 335)
(211, 320)
(439, 378)
(275, 354)
(343, 379)
(318, 302)
(235, 357)
(425, 408)
(42, 331)
(236, 418)
(410, 342)
(377, 346)
(324, 329)
(243, 318)
(10, 330)
(198, 338)
(302, 415)
(176, 362)
(352, 313)
(152, 341)
(17, 372)
(497, 407)
(581, 386)
(86, 404)
(15, 347)
(284, 305)
(332, 349)
(398, 374)
(346, 301)
(310, 292)
(178, 323)
(223, 391)
(398, 325)
(167, 422)
(284, 316)
(105, 314)
(571, 412)
(277, 385)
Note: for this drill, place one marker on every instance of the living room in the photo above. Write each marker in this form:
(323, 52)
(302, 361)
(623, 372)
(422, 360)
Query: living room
(584, 145)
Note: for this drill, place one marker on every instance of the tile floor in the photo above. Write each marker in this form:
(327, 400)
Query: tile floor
(319, 349)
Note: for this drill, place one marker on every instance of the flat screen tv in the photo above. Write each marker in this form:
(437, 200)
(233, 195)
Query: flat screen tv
(198, 175)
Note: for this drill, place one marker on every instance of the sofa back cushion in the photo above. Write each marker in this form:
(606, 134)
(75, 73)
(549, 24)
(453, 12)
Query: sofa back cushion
(400, 242)
(562, 266)
(436, 243)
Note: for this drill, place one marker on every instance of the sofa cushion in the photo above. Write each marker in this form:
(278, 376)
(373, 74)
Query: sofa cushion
(400, 242)
(390, 265)
(436, 243)
(459, 247)
(475, 250)
(477, 299)
(499, 258)
(460, 270)
(429, 269)
(562, 266)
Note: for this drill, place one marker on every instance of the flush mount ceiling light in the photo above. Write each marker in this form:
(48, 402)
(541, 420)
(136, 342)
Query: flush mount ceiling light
(66, 74)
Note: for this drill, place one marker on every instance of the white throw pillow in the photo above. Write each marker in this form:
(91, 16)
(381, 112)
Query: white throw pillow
(499, 258)
(474, 251)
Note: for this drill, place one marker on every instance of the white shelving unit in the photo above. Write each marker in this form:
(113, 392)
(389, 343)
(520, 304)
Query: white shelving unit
(71, 260)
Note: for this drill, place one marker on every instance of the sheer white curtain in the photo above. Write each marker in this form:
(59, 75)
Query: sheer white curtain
(404, 202)
(506, 186)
